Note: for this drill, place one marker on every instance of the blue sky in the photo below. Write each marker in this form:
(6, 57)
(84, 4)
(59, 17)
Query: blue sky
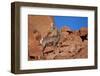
(74, 23)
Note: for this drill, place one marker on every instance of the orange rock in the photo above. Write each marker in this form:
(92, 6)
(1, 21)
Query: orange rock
(70, 45)
(65, 29)
(50, 56)
(35, 50)
(76, 32)
(49, 49)
(83, 31)
(82, 54)
(40, 23)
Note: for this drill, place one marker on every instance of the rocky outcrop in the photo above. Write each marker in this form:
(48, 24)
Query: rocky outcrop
(40, 23)
(38, 27)
(70, 45)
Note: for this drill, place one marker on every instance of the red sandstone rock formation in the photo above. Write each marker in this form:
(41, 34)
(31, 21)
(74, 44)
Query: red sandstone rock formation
(83, 31)
(34, 47)
(38, 27)
(71, 45)
(40, 23)
(65, 28)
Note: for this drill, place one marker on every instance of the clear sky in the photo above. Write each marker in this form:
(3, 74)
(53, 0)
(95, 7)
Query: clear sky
(74, 23)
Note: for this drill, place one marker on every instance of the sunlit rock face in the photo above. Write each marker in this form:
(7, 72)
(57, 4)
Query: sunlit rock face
(83, 31)
(72, 44)
(40, 23)
(38, 27)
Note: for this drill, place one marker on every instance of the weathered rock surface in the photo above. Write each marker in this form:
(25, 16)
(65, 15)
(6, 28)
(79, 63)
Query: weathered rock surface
(71, 44)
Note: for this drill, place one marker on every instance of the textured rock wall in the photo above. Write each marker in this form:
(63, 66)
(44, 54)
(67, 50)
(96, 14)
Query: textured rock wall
(71, 44)
(38, 26)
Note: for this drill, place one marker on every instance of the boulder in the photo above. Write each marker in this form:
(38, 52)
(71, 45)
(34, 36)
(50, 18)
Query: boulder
(83, 31)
